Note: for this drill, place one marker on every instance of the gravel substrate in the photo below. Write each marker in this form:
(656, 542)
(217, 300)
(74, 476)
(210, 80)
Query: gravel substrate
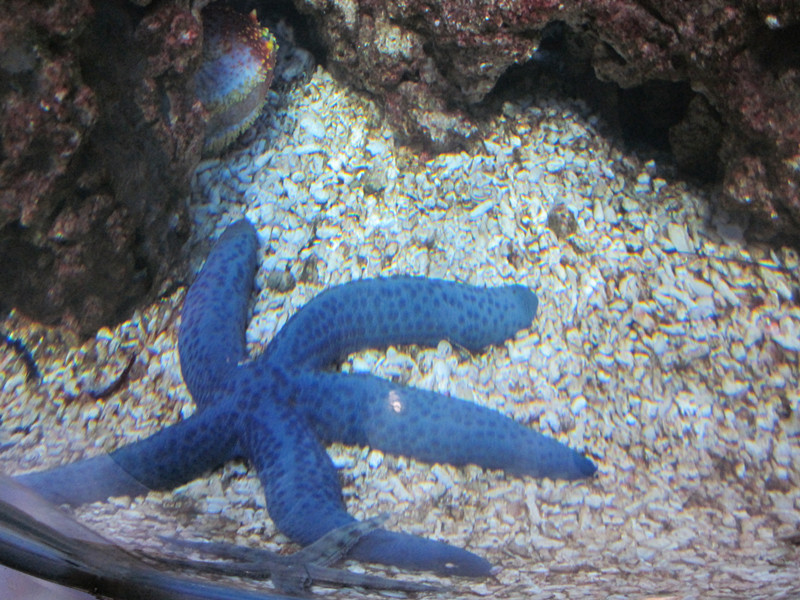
(665, 346)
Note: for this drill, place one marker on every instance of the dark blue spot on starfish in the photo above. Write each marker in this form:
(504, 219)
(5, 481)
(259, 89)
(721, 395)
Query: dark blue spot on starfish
(279, 409)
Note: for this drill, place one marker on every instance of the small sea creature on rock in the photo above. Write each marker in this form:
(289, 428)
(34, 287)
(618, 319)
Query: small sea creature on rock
(236, 72)
(280, 409)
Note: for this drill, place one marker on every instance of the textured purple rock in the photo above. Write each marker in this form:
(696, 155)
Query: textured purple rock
(100, 133)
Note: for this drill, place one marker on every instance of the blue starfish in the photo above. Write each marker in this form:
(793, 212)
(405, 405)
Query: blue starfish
(280, 409)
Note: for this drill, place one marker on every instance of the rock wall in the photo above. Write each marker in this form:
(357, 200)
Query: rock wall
(99, 135)
(430, 60)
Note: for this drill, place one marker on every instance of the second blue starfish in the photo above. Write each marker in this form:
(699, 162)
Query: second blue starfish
(280, 409)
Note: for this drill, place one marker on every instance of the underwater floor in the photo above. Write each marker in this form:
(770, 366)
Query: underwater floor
(665, 346)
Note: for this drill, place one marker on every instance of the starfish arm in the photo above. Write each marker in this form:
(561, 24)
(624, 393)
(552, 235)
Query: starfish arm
(304, 497)
(169, 458)
(211, 341)
(399, 310)
(366, 410)
(415, 553)
(309, 563)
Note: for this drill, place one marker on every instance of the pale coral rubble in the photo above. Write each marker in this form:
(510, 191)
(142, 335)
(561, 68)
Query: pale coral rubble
(665, 345)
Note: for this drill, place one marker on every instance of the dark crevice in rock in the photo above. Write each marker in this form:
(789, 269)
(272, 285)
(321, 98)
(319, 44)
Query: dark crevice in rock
(21, 260)
(778, 50)
(647, 112)
(659, 119)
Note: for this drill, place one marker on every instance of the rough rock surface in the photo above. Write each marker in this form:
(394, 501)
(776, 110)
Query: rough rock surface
(99, 134)
(429, 60)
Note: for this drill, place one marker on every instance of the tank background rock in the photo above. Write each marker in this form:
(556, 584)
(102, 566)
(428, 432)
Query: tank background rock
(100, 129)
(100, 133)
(430, 62)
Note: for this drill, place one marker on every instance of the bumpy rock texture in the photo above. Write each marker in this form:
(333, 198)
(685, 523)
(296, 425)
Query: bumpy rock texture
(99, 133)
(430, 60)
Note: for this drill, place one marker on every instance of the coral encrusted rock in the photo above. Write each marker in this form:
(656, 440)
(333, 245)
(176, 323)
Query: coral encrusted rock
(99, 133)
